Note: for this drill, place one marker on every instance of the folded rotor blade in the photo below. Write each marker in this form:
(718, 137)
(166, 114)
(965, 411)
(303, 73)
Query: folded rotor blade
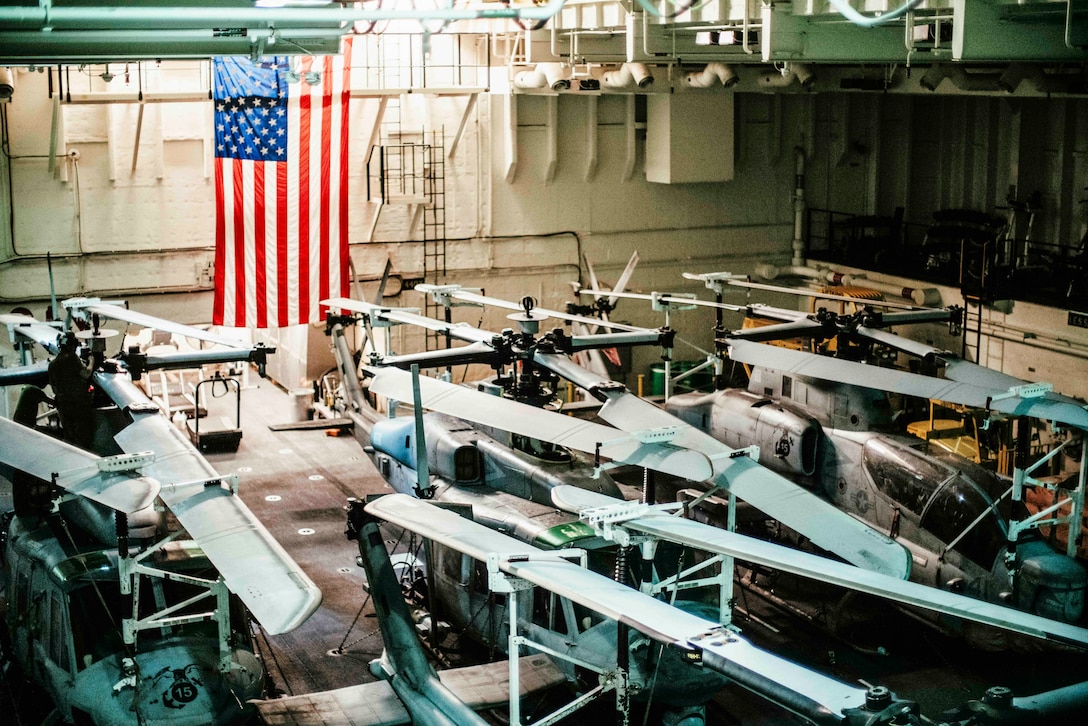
(76, 470)
(955, 368)
(896, 342)
(41, 333)
(714, 539)
(1050, 406)
(116, 312)
(472, 353)
(520, 418)
(607, 340)
(800, 510)
(737, 282)
(461, 331)
(625, 276)
(771, 676)
(35, 374)
(473, 297)
(805, 328)
(886, 320)
(253, 564)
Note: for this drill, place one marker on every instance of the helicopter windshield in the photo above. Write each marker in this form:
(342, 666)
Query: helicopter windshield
(540, 449)
(904, 475)
(953, 509)
(947, 501)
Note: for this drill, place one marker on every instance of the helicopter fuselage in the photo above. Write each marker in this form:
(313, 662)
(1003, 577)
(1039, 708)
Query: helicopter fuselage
(942, 508)
(63, 619)
(508, 489)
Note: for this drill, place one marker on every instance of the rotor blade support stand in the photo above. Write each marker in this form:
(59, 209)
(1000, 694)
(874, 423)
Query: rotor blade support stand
(608, 522)
(503, 582)
(663, 435)
(130, 570)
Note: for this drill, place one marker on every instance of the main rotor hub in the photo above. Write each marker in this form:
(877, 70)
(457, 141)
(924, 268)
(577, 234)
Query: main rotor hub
(527, 322)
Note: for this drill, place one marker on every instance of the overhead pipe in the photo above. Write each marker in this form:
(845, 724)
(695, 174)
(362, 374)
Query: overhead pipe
(52, 17)
(712, 73)
(918, 295)
(637, 73)
(1035, 77)
(960, 78)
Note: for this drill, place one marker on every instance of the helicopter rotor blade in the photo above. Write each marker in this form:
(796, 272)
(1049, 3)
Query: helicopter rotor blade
(35, 374)
(625, 277)
(468, 354)
(41, 333)
(537, 423)
(803, 511)
(723, 277)
(461, 331)
(793, 686)
(116, 312)
(478, 299)
(102, 480)
(708, 538)
(1019, 399)
(676, 300)
(252, 563)
(806, 328)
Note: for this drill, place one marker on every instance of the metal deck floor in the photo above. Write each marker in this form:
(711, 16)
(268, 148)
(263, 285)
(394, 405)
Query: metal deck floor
(297, 482)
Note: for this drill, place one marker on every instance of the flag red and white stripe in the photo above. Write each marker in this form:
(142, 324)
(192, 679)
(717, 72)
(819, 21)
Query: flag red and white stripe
(281, 228)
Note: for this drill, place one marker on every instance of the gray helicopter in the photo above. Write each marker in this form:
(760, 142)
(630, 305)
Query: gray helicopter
(826, 423)
(132, 566)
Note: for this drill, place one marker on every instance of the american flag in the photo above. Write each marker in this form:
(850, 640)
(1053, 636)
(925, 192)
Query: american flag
(281, 206)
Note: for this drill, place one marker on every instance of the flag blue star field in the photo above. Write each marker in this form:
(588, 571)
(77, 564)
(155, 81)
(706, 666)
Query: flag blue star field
(281, 207)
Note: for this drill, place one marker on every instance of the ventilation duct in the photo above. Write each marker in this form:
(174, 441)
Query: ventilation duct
(963, 79)
(628, 73)
(7, 83)
(546, 75)
(712, 73)
(800, 72)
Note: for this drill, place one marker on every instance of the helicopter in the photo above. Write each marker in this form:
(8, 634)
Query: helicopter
(643, 421)
(409, 689)
(608, 629)
(132, 566)
(506, 472)
(461, 583)
(831, 430)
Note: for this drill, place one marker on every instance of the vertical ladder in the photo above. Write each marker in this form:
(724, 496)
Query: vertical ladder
(972, 329)
(434, 228)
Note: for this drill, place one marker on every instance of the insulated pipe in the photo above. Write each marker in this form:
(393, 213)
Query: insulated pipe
(7, 83)
(160, 35)
(713, 72)
(918, 295)
(95, 18)
(628, 72)
(799, 207)
(963, 80)
(553, 75)
(800, 72)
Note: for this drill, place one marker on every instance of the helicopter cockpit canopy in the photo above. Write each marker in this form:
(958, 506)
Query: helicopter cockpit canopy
(545, 450)
(955, 505)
